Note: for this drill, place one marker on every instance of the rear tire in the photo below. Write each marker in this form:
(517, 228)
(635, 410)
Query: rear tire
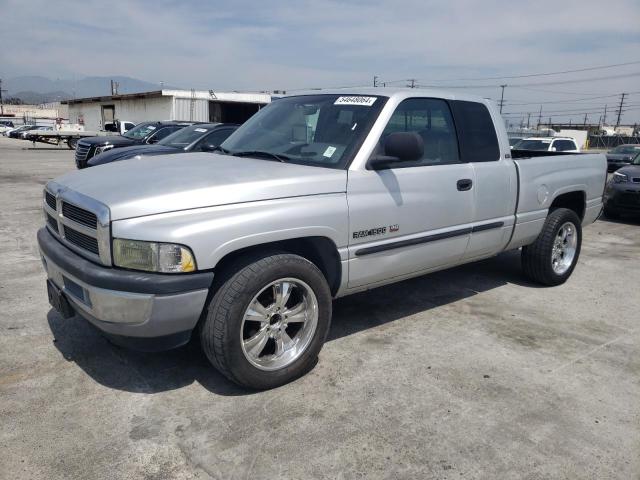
(550, 260)
(72, 143)
(246, 333)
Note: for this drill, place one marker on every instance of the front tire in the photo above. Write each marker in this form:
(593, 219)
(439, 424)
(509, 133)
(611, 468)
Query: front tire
(267, 321)
(550, 260)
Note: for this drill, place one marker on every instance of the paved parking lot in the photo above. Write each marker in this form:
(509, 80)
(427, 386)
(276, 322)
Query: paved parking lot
(470, 373)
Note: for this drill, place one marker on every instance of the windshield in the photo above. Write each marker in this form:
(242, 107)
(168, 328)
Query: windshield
(319, 130)
(532, 145)
(636, 160)
(514, 140)
(140, 131)
(185, 136)
(626, 149)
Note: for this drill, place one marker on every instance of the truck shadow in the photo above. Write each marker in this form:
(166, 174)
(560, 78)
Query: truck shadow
(121, 369)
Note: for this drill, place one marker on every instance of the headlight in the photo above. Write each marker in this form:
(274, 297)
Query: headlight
(620, 178)
(152, 256)
(103, 148)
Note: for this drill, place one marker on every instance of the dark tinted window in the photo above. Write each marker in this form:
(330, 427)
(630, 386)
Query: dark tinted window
(161, 133)
(216, 138)
(564, 145)
(431, 119)
(476, 133)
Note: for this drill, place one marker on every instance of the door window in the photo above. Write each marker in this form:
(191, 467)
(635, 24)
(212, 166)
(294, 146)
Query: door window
(431, 119)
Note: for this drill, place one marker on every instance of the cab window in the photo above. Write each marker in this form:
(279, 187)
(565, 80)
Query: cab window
(478, 139)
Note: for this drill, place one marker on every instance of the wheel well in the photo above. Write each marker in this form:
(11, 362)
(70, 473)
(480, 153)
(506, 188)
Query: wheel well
(321, 251)
(573, 201)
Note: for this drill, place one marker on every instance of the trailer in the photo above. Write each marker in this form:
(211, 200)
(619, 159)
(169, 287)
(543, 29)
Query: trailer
(70, 136)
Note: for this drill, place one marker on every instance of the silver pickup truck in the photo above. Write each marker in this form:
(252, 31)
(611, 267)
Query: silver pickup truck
(317, 196)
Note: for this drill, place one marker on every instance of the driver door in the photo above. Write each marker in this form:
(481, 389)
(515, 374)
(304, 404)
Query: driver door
(414, 217)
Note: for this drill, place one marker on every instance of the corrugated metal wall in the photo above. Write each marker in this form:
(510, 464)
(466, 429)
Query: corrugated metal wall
(182, 110)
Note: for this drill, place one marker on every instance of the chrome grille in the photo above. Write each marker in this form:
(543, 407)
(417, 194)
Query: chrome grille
(79, 215)
(82, 150)
(84, 228)
(50, 199)
(53, 223)
(81, 240)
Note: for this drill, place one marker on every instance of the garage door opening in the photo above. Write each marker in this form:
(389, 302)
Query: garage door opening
(232, 112)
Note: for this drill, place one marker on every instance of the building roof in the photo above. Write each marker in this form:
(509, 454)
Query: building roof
(245, 97)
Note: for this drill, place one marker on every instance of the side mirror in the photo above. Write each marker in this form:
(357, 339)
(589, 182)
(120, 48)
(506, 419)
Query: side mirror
(399, 147)
(152, 140)
(208, 147)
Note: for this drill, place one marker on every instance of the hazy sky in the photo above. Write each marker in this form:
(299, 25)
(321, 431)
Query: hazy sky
(256, 45)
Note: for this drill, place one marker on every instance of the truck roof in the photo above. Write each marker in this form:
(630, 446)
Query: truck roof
(549, 138)
(394, 92)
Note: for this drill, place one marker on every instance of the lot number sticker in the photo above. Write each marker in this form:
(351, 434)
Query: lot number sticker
(329, 152)
(364, 101)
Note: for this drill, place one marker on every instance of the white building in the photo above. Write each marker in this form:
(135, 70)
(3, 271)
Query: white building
(190, 105)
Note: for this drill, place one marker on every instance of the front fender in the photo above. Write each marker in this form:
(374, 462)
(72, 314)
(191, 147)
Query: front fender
(214, 232)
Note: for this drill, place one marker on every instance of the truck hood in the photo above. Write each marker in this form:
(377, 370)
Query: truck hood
(115, 140)
(196, 180)
(124, 153)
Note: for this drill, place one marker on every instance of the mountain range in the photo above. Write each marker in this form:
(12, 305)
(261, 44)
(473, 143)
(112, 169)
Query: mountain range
(36, 89)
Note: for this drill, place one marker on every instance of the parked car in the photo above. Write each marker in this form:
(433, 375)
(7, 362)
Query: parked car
(548, 144)
(621, 155)
(622, 195)
(6, 125)
(514, 141)
(142, 134)
(196, 138)
(315, 197)
(16, 132)
(32, 134)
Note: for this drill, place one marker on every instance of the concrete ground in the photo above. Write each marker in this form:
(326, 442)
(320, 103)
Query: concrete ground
(470, 373)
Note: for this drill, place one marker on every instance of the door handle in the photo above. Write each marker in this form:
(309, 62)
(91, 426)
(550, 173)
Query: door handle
(464, 184)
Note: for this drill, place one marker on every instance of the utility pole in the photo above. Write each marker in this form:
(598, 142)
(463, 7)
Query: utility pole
(413, 83)
(502, 97)
(528, 118)
(1, 101)
(620, 109)
(549, 122)
(540, 117)
(375, 80)
(604, 117)
(585, 120)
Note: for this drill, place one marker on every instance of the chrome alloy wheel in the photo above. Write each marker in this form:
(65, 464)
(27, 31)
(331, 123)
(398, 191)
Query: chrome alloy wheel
(279, 324)
(564, 248)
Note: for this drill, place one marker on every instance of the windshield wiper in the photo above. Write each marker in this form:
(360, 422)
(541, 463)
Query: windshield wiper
(220, 149)
(261, 153)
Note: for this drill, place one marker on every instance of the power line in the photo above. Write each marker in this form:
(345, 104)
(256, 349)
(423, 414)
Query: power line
(556, 82)
(529, 75)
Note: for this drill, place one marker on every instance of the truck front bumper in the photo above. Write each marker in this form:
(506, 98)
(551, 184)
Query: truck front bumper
(144, 311)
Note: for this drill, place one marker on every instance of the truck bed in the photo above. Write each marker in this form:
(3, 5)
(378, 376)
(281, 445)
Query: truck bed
(541, 179)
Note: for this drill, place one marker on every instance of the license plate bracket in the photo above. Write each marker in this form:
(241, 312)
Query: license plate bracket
(58, 300)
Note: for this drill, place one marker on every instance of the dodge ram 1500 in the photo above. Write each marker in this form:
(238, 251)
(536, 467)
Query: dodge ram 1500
(317, 196)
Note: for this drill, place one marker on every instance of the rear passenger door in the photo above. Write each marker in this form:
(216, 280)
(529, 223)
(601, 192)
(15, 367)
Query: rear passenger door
(416, 216)
(495, 187)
